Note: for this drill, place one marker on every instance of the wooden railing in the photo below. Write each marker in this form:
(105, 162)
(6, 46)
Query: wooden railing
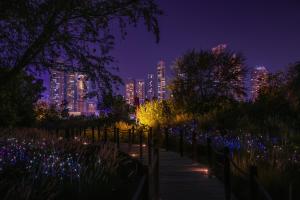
(219, 162)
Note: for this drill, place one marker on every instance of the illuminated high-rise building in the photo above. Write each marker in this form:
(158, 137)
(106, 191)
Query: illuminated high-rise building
(71, 88)
(91, 102)
(150, 87)
(140, 91)
(71, 85)
(259, 79)
(161, 80)
(57, 87)
(81, 90)
(130, 92)
(219, 49)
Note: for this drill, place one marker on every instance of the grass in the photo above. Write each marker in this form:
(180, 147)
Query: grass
(38, 165)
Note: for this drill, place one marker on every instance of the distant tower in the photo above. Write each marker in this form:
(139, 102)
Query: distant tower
(150, 91)
(130, 91)
(57, 87)
(71, 96)
(140, 91)
(259, 78)
(161, 80)
(81, 88)
(219, 49)
(91, 103)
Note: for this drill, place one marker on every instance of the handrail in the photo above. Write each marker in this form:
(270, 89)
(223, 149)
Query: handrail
(140, 188)
(223, 161)
(243, 173)
(262, 189)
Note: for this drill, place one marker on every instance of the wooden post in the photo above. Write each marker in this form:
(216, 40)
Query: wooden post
(71, 132)
(80, 131)
(141, 145)
(166, 139)
(132, 135)
(129, 140)
(209, 154)
(181, 142)
(150, 167)
(291, 191)
(93, 134)
(194, 146)
(118, 138)
(150, 146)
(98, 132)
(57, 132)
(253, 184)
(84, 132)
(115, 135)
(156, 173)
(227, 183)
(105, 134)
(67, 133)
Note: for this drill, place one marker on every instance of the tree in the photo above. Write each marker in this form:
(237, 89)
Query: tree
(41, 34)
(17, 99)
(154, 113)
(64, 109)
(116, 108)
(204, 78)
(293, 81)
(272, 112)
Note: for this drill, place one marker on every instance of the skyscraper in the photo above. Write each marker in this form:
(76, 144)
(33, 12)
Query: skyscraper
(161, 80)
(71, 85)
(150, 91)
(219, 49)
(57, 87)
(130, 91)
(81, 89)
(259, 78)
(140, 90)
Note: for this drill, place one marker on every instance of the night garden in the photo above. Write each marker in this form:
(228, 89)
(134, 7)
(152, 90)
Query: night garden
(206, 121)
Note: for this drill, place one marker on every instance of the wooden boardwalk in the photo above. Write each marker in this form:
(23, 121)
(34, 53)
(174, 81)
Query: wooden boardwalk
(180, 177)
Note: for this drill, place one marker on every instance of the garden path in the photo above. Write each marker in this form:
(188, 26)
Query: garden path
(180, 177)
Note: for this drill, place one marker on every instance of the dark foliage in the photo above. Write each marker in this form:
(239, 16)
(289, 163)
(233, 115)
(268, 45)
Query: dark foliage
(204, 78)
(17, 99)
(43, 34)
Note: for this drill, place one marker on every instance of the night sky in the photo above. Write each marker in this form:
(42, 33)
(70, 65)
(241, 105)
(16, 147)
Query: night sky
(267, 33)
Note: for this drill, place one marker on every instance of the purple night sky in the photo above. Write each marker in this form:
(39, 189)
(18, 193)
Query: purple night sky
(267, 33)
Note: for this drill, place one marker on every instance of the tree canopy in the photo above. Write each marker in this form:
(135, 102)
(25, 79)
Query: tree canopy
(17, 100)
(203, 78)
(43, 34)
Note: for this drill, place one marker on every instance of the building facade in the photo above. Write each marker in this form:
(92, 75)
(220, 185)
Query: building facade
(150, 87)
(140, 91)
(161, 80)
(259, 79)
(130, 91)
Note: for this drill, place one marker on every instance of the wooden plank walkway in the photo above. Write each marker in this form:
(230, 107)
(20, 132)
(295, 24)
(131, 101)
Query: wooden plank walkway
(180, 177)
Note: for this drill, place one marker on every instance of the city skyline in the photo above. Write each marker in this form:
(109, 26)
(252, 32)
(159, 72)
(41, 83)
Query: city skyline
(249, 27)
(140, 89)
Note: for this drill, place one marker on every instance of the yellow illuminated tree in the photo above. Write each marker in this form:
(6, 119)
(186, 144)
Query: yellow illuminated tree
(154, 113)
